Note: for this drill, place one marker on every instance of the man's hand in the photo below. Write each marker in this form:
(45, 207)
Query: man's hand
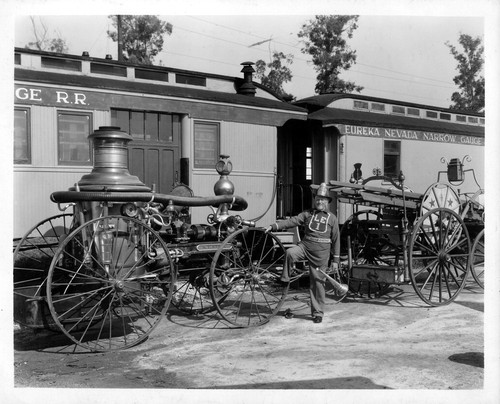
(268, 229)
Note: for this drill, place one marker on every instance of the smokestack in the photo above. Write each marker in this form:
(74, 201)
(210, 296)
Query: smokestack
(247, 88)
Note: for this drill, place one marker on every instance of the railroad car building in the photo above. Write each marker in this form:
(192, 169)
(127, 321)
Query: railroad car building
(350, 136)
(181, 121)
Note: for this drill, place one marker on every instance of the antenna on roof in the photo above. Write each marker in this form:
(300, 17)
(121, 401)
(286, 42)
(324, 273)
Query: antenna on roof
(260, 43)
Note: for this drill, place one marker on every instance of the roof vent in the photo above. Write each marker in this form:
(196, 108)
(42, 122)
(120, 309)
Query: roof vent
(247, 88)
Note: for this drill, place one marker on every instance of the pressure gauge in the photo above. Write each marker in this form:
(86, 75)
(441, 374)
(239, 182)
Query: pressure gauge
(129, 210)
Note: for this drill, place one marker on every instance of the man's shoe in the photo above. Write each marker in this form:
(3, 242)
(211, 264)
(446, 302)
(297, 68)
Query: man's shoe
(317, 319)
(288, 314)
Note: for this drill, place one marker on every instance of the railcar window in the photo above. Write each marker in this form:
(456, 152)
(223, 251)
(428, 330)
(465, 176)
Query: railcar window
(102, 68)
(360, 105)
(137, 121)
(64, 64)
(22, 139)
(151, 75)
(193, 80)
(121, 119)
(147, 126)
(309, 163)
(17, 58)
(169, 127)
(206, 144)
(461, 118)
(431, 114)
(413, 111)
(446, 117)
(471, 119)
(398, 110)
(73, 130)
(392, 158)
(378, 107)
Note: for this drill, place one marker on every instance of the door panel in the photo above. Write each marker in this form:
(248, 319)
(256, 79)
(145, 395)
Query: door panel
(155, 164)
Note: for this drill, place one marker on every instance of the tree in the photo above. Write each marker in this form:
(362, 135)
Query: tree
(141, 36)
(279, 72)
(43, 43)
(324, 41)
(469, 81)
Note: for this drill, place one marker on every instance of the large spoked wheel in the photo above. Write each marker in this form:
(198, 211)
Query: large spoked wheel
(110, 283)
(33, 254)
(244, 277)
(439, 254)
(477, 259)
(192, 292)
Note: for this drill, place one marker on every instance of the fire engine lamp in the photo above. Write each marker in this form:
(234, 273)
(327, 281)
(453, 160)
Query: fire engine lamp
(455, 169)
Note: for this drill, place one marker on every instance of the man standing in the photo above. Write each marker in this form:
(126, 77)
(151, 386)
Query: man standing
(321, 238)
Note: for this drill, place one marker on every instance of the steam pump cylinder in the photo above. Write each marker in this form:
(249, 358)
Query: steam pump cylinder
(110, 172)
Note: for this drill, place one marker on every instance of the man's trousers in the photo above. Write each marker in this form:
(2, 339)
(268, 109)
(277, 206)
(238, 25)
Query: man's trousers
(316, 278)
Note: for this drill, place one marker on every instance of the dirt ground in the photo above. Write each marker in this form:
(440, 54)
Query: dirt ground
(393, 343)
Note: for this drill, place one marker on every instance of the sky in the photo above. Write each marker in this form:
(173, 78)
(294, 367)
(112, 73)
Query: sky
(398, 57)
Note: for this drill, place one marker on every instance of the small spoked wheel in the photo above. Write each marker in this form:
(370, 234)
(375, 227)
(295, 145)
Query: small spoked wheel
(110, 283)
(439, 254)
(477, 259)
(192, 292)
(353, 229)
(244, 277)
(33, 254)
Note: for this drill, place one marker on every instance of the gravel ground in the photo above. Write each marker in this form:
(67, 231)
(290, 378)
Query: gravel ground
(370, 350)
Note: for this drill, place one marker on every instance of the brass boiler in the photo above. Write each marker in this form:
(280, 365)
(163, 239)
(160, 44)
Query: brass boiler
(110, 172)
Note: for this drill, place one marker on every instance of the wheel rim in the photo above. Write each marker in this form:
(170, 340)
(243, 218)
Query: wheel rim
(33, 254)
(439, 253)
(110, 283)
(477, 259)
(244, 277)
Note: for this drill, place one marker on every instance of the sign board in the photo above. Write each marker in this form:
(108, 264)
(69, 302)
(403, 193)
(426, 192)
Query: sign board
(405, 134)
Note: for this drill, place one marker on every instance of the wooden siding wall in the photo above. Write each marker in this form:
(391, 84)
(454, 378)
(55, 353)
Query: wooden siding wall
(252, 150)
(34, 183)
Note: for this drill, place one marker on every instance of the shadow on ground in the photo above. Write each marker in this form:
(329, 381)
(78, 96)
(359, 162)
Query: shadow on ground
(469, 358)
(334, 383)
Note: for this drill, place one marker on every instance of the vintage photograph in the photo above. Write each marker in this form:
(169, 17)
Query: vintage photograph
(214, 204)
